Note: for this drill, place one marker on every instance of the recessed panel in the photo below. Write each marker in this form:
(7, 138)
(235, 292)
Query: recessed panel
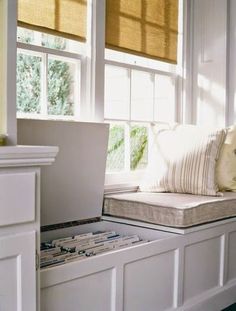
(17, 197)
(201, 267)
(8, 284)
(232, 256)
(90, 293)
(149, 283)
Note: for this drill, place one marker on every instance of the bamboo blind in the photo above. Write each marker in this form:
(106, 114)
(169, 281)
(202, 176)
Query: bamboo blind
(65, 18)
(144, 27)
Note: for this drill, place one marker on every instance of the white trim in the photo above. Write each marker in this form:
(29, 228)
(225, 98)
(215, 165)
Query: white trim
(43, 49)
(9, 61)
(187, 58)
(231, 62)
(94, 103)
(27, 156)
(140, 68)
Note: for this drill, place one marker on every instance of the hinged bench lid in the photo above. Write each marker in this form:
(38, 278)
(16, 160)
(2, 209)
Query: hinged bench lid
(72, 188)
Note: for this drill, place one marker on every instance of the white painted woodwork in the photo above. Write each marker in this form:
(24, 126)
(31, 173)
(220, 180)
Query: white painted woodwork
(146, 277)
(231, 275)
(20, 224)
(176, 270)
(207, 253)
(74, 295)
(17, 191)
(23, 156)
(17, 272)
(209, 55)
(231, 111)
(8, 17)
(76, 180)
(140, 274)
(93, 97)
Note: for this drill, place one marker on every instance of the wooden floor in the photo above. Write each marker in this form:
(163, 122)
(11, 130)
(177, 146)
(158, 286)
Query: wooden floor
(231, 308)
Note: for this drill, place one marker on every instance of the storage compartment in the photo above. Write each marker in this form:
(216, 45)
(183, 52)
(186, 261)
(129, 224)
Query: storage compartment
(170, 272)
(103, 281)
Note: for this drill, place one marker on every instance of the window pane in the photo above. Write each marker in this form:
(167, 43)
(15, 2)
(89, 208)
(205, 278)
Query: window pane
(116, 148)
(53, 42)
(61, 87)
(50, 41)
(28, 83)
(164, 98)
(117, 92)
(142, 92)
(25, 35)
(138, 147)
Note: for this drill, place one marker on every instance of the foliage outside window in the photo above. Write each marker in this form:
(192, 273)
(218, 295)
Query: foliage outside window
(47, 84)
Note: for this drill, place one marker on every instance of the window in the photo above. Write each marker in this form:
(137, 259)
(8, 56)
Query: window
(57, 75)
(48, 75)
(135, 98)
(51, 44)
(140, 79)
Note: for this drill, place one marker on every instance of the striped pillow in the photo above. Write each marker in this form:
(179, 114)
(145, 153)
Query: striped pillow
(183, 159)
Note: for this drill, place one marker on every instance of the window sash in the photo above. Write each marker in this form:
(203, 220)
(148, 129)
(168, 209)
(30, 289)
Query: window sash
(45, 54)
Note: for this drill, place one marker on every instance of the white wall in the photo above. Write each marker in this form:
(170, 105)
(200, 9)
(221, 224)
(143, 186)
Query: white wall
(209, 62)
(231, 116)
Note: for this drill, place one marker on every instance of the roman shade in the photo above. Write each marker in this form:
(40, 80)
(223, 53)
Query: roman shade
(144, 27)
(65, 18)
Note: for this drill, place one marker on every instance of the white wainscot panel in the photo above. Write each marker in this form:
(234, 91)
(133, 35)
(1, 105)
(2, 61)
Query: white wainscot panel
(232, 257)
(149, 283)
(17, 273)
(201, 267)
(90, 293)
(8, 284)
(17, 198)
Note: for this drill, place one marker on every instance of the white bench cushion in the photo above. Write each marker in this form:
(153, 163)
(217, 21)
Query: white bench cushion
(170, 209)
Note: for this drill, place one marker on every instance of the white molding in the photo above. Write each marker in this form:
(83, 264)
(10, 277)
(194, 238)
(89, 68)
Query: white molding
(231, 62)
(93, 105)
(9, 61)
(45, 50)
(141, 68)
(12, 156)
(187, 97)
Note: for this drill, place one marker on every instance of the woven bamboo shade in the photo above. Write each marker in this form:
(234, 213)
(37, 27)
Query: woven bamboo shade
(144, 27)
(65, 18)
